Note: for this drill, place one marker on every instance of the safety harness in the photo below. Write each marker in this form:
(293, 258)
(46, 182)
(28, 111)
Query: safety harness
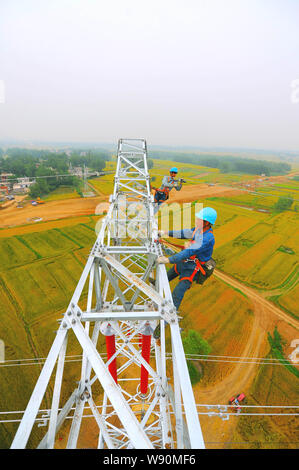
(198, 264)
(165, 190)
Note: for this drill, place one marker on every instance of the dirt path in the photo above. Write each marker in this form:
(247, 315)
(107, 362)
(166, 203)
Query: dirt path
(51, 210)
(255, 296)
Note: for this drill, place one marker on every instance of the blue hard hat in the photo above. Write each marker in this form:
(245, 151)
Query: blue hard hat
(207, 213)
(173, 170)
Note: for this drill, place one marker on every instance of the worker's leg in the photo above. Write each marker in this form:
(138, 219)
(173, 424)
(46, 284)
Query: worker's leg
(172, 273)
(179, 292)
(157, 206)
(159, 198)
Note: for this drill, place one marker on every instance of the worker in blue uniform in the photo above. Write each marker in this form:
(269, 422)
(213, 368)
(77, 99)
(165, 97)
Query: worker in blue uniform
(168, 183)
(194, 261)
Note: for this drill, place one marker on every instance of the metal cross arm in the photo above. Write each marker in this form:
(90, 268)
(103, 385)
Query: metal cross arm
(166, 308)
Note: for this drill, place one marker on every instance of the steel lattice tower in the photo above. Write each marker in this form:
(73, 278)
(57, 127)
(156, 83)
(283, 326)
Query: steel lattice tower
(142, 407)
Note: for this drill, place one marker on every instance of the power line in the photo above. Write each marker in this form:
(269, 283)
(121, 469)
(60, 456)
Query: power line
(51, 176)
(208, 413)
(190, 357)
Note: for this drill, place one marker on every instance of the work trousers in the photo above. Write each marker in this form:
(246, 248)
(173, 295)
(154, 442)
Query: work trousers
(159, 198)
(183, 270)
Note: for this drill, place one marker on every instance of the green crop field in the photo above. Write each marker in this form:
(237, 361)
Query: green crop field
(48, 244)
(38, 274)
(62, 192)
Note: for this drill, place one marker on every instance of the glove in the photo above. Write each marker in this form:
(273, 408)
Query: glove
(162, 233)
(162, 260)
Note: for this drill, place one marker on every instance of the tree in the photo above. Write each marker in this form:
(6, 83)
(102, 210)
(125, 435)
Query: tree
(225, 167)
(275, 341)
(150, 163)
(283, 203)
(193, 343)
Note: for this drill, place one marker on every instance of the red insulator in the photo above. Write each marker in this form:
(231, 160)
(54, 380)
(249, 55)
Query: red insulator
(110, 346)
(146, 352)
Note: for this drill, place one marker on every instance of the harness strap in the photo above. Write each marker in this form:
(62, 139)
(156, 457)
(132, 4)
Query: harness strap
(195, 271)
(198, 263)
(166, 190)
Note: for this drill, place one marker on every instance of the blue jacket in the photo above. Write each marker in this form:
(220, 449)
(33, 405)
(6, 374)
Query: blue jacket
(202, 247)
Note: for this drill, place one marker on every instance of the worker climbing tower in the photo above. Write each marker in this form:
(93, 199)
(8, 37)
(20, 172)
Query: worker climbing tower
(138, 398)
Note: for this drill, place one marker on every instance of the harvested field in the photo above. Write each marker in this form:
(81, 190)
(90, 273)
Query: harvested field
(50, 211)
(223, 317)
(198, 192)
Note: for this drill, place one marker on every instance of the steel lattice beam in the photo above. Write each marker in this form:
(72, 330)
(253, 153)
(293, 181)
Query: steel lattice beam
(122, 303)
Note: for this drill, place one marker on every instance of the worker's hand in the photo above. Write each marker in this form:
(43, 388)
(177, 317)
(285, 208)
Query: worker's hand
(162, 233)
(162, 260)
(187, 245)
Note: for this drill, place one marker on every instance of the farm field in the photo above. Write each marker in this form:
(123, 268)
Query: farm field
(43, 226)
(193, 174)
(51, 210)
(63, 192)
(265, 254)
(42, 263)
(38, 275)
(270, 432)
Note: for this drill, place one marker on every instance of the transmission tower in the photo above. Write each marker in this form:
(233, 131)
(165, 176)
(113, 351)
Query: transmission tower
(145, 404)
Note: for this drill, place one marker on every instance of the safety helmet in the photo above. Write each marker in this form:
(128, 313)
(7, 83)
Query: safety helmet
(207, 213)
(173, 170)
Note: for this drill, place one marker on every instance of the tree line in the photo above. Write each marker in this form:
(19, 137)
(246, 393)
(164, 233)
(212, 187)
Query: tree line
(46, 167)
(226, 163)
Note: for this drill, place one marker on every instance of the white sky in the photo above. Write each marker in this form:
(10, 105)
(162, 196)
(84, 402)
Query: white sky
(193, 72)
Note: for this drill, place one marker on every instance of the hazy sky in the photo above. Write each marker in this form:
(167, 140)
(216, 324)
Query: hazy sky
(192, 72)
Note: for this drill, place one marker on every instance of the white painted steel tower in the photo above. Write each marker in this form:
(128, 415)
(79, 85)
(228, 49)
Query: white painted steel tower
(145, 403)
